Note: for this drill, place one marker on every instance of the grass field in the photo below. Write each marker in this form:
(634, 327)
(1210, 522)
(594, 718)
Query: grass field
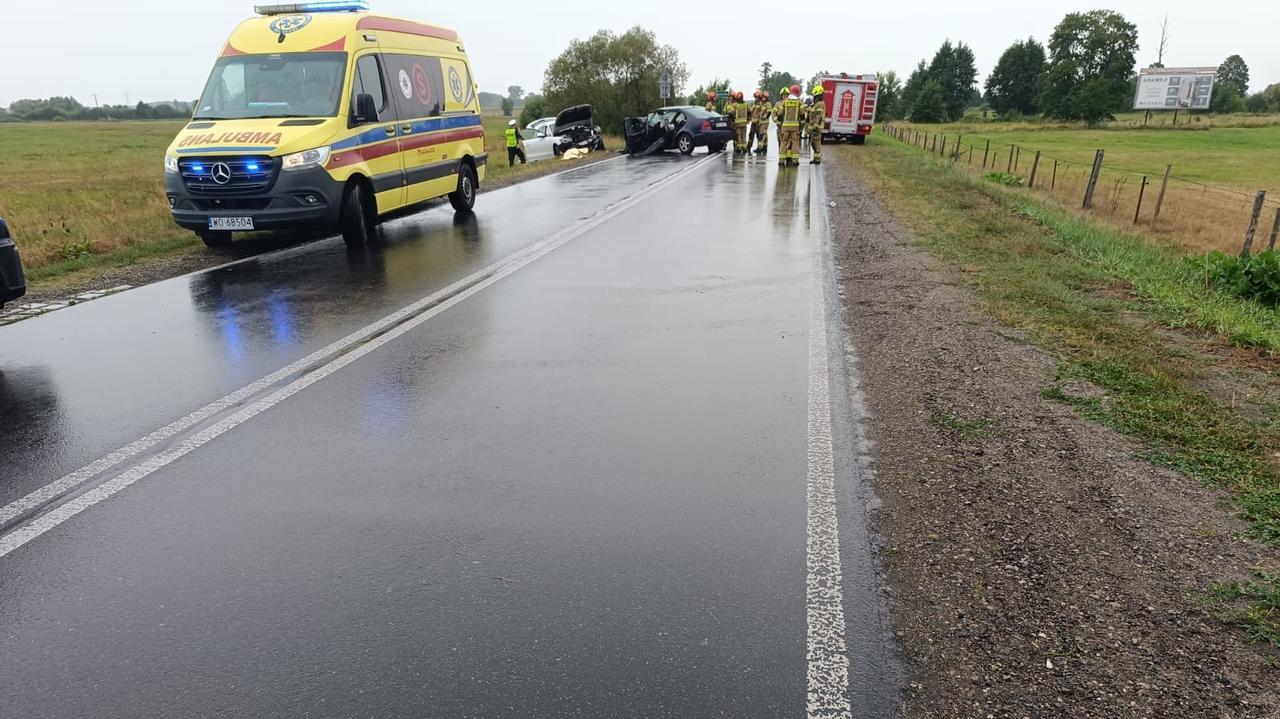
(84, 194)
(1215, 172)
(1123, 313)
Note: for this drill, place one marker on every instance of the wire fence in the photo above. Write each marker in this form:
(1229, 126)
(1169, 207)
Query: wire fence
(1195, 216)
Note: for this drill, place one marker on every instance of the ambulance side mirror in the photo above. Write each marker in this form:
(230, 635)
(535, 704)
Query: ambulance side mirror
(365, 110)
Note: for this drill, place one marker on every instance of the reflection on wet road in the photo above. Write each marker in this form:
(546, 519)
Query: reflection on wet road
(546, 460)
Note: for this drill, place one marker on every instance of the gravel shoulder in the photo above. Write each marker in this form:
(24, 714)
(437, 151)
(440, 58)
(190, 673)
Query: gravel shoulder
(1036, 568)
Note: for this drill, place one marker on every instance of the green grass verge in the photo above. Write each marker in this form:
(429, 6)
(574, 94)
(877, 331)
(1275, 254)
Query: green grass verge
(1102, 302)
(1243, 158)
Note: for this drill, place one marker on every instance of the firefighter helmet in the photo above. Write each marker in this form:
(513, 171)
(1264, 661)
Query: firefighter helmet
(711, 95)
(817, 89)
(795, 90)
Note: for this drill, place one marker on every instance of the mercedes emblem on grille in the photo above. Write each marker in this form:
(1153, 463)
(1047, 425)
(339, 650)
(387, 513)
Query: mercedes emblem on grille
(220, 172)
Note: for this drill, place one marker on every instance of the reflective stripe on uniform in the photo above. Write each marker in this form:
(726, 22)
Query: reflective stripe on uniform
(791, 113)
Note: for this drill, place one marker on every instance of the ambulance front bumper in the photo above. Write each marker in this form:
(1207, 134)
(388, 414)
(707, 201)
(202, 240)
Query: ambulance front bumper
(301, 198)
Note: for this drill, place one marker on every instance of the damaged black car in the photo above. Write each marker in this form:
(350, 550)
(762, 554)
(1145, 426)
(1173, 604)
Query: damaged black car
(683, 128)
(576, 128)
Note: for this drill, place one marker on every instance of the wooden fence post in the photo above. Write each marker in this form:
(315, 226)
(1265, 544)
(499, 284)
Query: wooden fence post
(1093, 180)
(1017, 156)
(986, 152)
(1141, 191)
(971, 154)
(955, 155)
(1275, 230)
(1009, 168)
(1035, 165)
(1160, 197)
(943, 151)
(1053, 183)
(1258, 199)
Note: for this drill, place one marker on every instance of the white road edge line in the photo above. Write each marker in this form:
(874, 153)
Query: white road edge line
(826, 648)
(443, 300)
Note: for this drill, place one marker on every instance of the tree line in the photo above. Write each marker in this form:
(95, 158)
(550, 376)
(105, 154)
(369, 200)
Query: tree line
(1084, 74)
(68, 108)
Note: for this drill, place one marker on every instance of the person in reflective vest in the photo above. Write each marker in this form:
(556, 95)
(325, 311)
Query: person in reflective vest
(761, 112)
(711, 101)
(817, 125)
(788, 114)
(729, 111)
(782, 95)
(515, 144)
(741, 118)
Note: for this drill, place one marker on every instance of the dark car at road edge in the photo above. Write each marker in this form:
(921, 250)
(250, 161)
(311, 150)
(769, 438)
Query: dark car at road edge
(13, 283)
(683, 128)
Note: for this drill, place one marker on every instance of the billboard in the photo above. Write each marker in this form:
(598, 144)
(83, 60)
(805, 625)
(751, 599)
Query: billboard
(1175, 88)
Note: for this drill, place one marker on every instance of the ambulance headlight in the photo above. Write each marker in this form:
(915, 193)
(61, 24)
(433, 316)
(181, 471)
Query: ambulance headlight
(171, 164)
(306, 158)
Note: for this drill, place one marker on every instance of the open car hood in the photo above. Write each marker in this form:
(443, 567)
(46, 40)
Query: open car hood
(573, 117)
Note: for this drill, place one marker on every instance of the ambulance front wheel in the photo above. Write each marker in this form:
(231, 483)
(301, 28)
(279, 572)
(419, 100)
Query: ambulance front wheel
(215, 238)
(464, 198)
(359, 221)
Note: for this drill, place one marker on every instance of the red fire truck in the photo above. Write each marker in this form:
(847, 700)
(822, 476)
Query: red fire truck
(851, 106)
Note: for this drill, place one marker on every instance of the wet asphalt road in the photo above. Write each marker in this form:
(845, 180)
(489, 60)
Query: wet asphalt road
(579, 490)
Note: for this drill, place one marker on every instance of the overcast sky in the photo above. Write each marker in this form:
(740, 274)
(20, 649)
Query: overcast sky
(162, 49)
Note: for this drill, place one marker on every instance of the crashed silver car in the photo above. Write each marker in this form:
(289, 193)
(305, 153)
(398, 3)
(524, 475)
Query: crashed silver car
(576, 128)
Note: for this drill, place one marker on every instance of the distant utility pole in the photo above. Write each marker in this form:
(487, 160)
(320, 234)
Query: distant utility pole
(95, 99)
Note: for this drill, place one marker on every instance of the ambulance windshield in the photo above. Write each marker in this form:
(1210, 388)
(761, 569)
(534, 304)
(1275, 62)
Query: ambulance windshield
(303, 84)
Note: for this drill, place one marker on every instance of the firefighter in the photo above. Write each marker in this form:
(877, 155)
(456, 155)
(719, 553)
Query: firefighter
(817, 124)
(515, 144)
(765, 111)
(711, 101)
(782, 95)
(789, 115)
(728, 112)
(741, 118)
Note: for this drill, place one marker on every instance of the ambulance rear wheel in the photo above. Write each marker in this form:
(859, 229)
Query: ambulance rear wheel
(464, 198)
(358, 222)
(215, 238)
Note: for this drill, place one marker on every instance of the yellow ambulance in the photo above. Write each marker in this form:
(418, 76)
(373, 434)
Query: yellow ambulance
(321, 113)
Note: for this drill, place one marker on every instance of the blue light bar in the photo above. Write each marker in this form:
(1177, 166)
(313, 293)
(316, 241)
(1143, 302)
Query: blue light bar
(315, 6)
(252, 166)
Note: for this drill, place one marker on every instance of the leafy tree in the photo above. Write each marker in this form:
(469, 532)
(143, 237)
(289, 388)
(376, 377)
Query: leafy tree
(1011, 86)
(1266, 101)
(1226, 99)
(508, 107)
(774, 81)
(889, 97)
(1233, 71)
(915, 83)
(954, 70)
(930, 104)
(535, 106)
(719, 87)
(1091, 58)
(516, 93)
(616, 74)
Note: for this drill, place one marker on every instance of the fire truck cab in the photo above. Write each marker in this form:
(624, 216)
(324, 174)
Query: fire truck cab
(850, 102)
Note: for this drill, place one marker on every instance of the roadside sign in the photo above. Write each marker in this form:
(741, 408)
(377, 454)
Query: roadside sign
(664, 85)
(1175, 88)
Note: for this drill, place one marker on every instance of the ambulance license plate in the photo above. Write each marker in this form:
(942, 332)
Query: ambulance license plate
(231, 223)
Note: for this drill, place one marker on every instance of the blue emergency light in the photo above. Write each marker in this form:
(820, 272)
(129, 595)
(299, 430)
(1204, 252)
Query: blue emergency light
(310, 7)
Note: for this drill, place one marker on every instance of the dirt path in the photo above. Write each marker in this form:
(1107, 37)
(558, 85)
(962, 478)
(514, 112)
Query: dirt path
(1037, 568)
